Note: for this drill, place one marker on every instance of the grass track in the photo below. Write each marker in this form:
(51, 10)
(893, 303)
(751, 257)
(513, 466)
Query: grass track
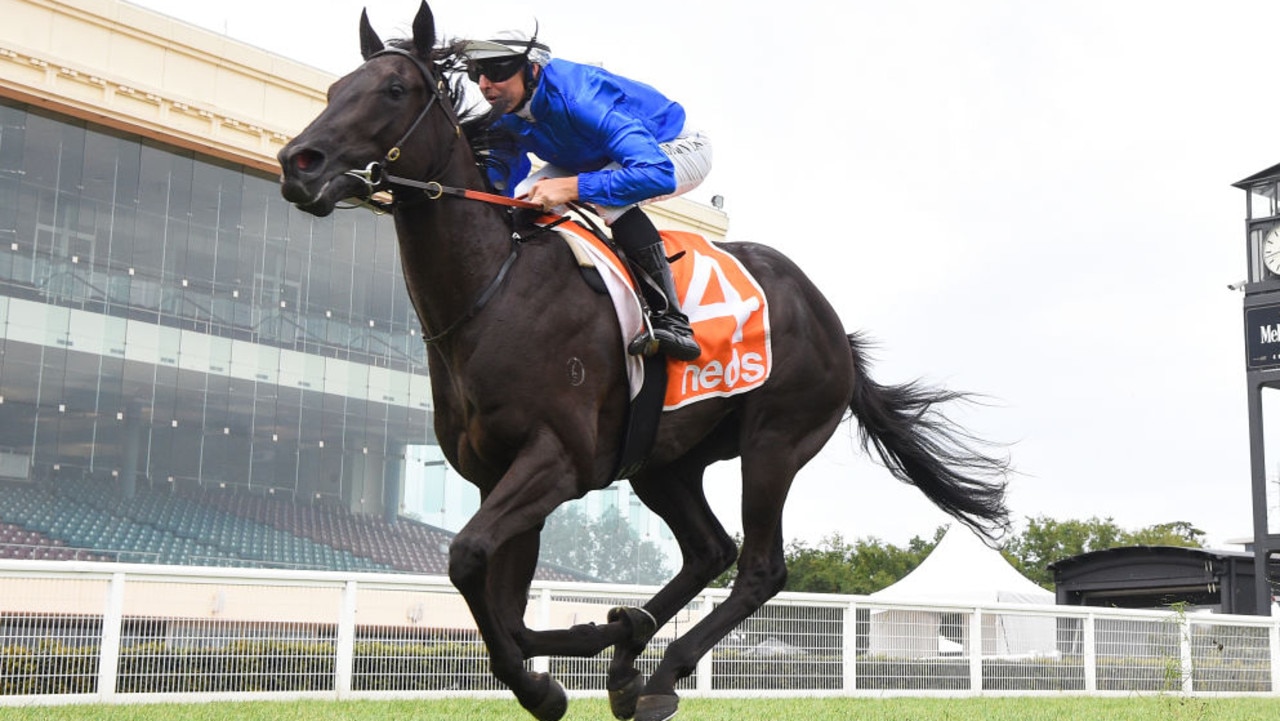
(1147, 708)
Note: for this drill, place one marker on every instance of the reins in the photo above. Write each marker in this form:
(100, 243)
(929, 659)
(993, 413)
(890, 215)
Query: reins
(376, 178)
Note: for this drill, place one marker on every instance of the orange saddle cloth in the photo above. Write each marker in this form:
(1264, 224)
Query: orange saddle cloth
(726, 307)
(730, 318)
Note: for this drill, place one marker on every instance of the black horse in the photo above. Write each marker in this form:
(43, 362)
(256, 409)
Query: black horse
(531, 394)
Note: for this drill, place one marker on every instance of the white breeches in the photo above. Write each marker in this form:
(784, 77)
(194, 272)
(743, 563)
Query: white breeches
(690, 152)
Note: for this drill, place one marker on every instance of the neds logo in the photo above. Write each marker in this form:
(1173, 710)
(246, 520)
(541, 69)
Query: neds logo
(711, 295)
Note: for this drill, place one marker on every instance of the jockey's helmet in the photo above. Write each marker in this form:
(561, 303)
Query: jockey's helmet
(504, 55)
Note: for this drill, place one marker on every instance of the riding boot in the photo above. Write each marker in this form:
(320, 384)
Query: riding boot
(670, 326)
(639, 239)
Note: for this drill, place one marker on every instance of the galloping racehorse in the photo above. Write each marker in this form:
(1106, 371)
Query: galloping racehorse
(531, 391)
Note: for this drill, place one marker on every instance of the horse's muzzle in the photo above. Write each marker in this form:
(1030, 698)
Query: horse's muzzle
(310, 181)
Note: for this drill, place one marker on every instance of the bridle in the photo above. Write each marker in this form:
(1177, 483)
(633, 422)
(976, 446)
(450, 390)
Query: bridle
(375, 176)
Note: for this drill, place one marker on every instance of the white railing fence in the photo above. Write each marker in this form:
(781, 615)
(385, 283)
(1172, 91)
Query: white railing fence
(78, 632)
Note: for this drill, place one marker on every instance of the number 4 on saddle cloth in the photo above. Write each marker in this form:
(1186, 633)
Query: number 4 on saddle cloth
(726, 308)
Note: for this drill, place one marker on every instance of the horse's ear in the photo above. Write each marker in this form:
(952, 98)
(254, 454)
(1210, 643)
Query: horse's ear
(424, 31)
(370, 43)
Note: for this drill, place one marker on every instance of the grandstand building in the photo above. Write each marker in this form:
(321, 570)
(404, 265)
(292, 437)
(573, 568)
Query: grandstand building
(177, 343)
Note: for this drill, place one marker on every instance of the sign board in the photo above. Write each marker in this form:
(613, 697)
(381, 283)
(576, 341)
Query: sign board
(1262, 336)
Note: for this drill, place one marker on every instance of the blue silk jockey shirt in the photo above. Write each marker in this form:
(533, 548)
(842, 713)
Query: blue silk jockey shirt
(585, 117)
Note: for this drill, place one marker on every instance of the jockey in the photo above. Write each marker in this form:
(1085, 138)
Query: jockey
(607, 141)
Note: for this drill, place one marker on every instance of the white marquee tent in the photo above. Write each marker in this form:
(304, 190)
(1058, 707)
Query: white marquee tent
(961, 571)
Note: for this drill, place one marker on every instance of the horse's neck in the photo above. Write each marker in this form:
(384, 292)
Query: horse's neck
(452, 249)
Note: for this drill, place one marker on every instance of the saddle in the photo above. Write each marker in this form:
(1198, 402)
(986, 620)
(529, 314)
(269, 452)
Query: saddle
(647, 375)
(726, 307)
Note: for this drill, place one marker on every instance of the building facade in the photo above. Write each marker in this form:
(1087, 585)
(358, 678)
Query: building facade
(168, 318)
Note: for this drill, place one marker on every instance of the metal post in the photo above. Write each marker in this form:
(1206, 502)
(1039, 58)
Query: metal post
(1090, 655)
(849, 649)
(1184, 652)
(345, 648)
(1258, 468)
(703, 669)
(109, 650)
(975, 650)
(542, 664)
(1274, 648)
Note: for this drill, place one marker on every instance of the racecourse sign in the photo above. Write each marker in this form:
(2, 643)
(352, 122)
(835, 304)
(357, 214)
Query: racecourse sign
(1262, 336)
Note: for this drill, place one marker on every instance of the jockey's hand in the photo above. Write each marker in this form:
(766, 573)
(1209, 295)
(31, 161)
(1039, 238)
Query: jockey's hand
(550, 192)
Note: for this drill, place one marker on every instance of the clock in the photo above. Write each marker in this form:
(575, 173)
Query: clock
(1271, 250)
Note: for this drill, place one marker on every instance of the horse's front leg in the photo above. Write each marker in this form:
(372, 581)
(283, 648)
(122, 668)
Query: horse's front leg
(493, 571)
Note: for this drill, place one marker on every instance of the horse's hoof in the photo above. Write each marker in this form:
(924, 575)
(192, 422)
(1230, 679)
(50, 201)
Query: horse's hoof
(554, 702)
(622, 700)
(656, 707)
(642, 623)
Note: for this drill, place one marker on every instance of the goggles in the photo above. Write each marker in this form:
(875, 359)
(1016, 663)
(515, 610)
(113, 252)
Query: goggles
(496, 69)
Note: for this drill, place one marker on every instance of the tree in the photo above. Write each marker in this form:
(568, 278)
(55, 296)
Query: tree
(605, 547)
(568, 540)
(837, 566)
(869, 564)
(1176, 533)
(1046, 541)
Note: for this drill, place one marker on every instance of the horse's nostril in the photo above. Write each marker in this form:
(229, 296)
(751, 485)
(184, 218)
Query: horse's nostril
(307, 160)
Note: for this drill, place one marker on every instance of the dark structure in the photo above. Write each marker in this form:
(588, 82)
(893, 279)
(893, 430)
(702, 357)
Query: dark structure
(1159, 576)
(1262, 348)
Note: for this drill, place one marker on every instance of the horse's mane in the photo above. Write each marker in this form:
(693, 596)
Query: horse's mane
(477, 120)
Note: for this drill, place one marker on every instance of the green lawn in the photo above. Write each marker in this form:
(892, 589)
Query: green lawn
(1147, 708)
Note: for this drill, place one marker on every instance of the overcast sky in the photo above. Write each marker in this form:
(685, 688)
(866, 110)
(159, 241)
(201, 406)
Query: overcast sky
(1030, 201)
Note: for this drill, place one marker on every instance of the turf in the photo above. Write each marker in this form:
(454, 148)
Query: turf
(1075, 708)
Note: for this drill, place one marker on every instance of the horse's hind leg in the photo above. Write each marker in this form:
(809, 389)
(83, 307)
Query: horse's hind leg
(677, 496)
(770, 460)
(761, 574)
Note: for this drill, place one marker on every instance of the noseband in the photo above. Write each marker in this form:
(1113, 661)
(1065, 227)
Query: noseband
(374, 175)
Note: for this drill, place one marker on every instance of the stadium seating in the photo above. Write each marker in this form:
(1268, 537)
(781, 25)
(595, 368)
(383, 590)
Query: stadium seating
(88, 519)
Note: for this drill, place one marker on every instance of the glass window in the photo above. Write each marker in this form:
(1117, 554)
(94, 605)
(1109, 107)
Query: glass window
(13, 124)
(288, 414)
(86, 333)
(53, 403)
(12, 149)
(114, 334)
(107, 228)
(220, 355)
(153, 212)
(178, 217)
(79, 398)
(57, 323)
(354, 434)
(108, 434)
(19, 370)
(188, 412)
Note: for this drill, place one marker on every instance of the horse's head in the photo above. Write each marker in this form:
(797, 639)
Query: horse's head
(371, 113)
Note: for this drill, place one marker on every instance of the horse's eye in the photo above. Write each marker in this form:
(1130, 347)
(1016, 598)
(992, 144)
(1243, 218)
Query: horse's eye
(396, 90)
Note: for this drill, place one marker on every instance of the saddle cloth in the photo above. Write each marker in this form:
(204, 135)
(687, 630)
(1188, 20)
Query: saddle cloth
(726, 307)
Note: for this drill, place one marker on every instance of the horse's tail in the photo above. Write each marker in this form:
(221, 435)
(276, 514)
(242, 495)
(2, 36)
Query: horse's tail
(921, 446)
